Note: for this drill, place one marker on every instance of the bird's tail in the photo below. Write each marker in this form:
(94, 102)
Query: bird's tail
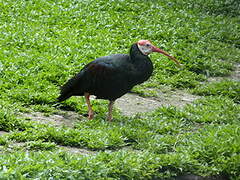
(70, 88)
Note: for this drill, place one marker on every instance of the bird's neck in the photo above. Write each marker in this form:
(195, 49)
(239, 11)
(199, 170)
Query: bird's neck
(139, 59)
(136, 54)
(142, 64)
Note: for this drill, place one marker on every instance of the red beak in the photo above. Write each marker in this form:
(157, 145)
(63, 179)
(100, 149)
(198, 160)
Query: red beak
(155, 49)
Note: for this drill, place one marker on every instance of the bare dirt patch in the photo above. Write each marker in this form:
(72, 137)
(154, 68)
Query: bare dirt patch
(236, 73)
(77, 150)
(131, 104)
(3, 132)
(23, 146)
(66, 118)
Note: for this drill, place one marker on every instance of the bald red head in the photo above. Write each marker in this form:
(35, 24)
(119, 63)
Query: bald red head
(146, 47)
(143, 42)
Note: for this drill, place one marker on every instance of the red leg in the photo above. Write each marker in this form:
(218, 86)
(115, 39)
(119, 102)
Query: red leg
(110, 108)
(90, 110)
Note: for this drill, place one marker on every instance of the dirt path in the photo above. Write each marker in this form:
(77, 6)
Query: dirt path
(2, 133)
(131, 104)
(62, 118)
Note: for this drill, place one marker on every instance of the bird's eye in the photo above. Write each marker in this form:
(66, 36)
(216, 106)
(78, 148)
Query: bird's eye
(148, 45)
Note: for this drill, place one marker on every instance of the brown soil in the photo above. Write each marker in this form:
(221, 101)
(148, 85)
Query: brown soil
(131, 104)
(66, 118)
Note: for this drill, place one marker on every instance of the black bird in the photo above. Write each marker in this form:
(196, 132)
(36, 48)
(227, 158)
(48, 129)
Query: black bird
(110, 77)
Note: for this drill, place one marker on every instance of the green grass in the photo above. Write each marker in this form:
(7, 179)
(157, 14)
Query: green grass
(44, 43)
(227, 88)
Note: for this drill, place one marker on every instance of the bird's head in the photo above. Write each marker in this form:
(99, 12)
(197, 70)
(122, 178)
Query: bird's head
(146, 47)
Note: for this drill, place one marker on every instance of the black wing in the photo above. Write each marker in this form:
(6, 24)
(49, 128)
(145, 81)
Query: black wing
(102, 77)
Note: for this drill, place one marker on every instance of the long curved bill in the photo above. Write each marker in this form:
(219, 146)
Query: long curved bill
(155, 49)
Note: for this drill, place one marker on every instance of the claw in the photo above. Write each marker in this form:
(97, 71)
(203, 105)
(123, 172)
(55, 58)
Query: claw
(90, 115)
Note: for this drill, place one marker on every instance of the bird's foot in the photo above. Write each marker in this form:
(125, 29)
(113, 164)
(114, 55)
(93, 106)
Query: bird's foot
(109, 118)
(90, 115)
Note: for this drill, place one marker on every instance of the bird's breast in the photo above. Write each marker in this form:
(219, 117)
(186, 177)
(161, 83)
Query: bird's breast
(142, 72)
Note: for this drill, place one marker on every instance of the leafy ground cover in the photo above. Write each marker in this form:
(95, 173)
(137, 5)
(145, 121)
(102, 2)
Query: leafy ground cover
(43, 43)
